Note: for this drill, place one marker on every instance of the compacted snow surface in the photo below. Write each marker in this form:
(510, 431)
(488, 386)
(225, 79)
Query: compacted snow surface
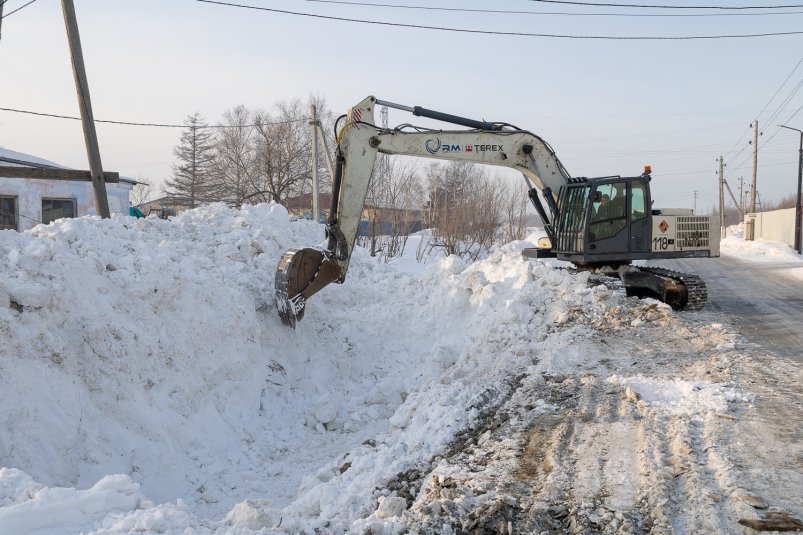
(148, 386)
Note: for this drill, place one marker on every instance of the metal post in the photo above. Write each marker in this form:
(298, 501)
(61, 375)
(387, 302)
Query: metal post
(741, 195)
(327, 152)
(84, 103)
(798, 214)
(755, 168)
(721, 197)
(314, 123)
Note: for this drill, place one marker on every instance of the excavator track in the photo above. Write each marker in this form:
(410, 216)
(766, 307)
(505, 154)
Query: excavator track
(682, 291)
(695, 286)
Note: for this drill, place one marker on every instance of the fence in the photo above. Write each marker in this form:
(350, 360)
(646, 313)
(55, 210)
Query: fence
(777, 225)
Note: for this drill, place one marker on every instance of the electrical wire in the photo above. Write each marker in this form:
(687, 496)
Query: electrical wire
(513, 34)
(781, 87)
(19, 8)
(775, 114)
(653, 6)
(786, 102)
(159, 125)
(778, 129)
(741, 138)
(7, 214)
(527, 12)
(779, 109)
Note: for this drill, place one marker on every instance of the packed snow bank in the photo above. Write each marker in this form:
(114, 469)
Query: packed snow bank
(151, 349)
(758, 250)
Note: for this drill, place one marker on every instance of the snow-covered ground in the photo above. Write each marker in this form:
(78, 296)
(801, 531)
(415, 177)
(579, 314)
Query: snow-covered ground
(762, 251)
(148, 386)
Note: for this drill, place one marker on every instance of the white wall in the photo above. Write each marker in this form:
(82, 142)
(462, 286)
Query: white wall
(29, 193)
(777, 225)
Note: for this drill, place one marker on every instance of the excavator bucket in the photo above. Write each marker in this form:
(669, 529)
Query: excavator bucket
(300, 274)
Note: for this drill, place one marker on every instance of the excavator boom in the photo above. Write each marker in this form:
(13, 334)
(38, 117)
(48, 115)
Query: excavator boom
(303, 272)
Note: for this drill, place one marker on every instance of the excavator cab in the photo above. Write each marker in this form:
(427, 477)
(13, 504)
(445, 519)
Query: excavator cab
(603, 220)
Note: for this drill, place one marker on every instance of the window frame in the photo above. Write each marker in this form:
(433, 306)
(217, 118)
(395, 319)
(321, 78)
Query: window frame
(642, 186)
(15, 200)
(610, 224)
(70, 199)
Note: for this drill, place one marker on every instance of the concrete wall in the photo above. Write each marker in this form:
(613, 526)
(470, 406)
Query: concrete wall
(30, 192)
(777, 225)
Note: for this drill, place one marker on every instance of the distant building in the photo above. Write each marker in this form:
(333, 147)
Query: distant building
(374, 219)
(164, 206)
(301, 206)
(26, 202)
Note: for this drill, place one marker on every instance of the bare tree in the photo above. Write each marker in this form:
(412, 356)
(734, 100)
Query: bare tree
(514, 213)
(195, 152)
(393, 207)
(235, 158)
(464, 209)
(141, 192)
(282, 153)
(404, 198)
(326, 119)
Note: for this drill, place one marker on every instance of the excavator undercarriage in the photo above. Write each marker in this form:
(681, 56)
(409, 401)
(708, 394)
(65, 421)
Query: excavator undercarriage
(681, 291)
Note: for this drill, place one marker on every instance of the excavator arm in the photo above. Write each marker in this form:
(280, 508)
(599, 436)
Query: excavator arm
(303, 272)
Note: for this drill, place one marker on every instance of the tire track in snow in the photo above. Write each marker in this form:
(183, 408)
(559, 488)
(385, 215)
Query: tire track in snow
(596, 459)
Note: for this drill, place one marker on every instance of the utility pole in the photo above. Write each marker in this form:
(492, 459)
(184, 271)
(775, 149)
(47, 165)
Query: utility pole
(741, 195)
(313, 121)
(695, 203)
(798, 215)
(730, 192)
(721, 197)
(84, 103)
(1, 18)
(755, 168)
(326, 151)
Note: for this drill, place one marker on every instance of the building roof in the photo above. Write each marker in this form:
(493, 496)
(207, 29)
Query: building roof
(20, 159)
(35, 168)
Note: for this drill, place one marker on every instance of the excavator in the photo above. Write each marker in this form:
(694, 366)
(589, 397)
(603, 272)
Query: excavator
(601, 224)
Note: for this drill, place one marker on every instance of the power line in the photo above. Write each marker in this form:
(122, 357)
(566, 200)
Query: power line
(19, 8)
(514, 34)
(653, 6)
(780, 108)
(781, 87)
(527, 12)
(160, 125)
(786, 101)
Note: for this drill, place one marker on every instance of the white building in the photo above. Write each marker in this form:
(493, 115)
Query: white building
(26, 202)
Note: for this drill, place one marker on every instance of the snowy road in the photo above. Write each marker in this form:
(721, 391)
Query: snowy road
(764, 299)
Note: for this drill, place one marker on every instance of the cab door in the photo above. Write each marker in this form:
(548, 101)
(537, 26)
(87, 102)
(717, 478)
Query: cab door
(639, 216)
(608, 222)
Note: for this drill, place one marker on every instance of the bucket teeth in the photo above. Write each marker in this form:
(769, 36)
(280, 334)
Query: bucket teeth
(300, 274)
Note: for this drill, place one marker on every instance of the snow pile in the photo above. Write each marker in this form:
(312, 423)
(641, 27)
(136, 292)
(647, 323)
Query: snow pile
(758, 250)
(680, 397)
(151, 349)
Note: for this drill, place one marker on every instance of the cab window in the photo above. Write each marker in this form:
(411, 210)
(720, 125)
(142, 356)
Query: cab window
(609, 214)
(638, 199)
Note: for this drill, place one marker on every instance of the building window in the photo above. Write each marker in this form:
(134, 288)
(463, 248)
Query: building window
(8, 213)
(53, 209)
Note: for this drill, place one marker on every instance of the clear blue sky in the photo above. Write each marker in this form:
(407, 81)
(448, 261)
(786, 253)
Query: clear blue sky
(607, 107)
